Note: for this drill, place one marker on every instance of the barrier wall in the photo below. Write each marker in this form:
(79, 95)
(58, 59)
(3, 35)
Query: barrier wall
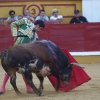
(73, 37)
(6, 38)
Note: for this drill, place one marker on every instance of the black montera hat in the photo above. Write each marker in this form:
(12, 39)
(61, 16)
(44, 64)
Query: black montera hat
(76, 11)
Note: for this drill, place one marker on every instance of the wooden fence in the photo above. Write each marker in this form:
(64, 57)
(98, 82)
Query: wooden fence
(73, 37)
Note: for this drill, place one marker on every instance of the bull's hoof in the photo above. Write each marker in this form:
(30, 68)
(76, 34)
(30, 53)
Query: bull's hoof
(66, 83)
(40, 89)
(41, 94)
(56, 88)
(1, 93)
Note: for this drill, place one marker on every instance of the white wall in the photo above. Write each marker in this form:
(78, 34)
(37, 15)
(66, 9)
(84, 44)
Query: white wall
(91, 10)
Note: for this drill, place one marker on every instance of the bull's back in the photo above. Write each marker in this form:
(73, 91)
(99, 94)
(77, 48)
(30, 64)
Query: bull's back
(61, 56)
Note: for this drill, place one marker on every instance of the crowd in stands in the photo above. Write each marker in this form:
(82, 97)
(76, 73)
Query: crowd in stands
(55, 17)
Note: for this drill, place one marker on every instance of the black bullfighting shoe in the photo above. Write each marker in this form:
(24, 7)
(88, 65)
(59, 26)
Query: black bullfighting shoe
(1, 93)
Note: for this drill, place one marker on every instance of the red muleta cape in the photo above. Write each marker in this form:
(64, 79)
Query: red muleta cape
(78, 76)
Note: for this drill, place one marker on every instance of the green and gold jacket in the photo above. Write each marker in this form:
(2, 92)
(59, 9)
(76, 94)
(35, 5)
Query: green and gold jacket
(25, 28)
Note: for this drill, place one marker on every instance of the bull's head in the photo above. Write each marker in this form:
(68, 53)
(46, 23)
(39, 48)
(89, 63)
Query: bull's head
(66, 72)
(65, 75)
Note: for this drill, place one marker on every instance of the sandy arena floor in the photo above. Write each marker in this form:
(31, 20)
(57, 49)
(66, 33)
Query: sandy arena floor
(87, 91)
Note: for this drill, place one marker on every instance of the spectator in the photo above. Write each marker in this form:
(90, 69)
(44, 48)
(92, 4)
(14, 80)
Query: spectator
(12, 17)
(27, 15)
(1, 21)
(55, 15)
(77, 18)
(42, 16)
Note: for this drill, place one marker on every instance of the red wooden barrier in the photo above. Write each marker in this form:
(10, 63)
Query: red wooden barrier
(73, 37)
(6, 38)
(92, 37)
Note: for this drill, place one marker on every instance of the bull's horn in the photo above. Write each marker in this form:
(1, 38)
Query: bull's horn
(76, 64)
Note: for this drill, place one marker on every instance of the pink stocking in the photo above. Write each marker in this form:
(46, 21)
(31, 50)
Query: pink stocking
(5, 79)
(29, 89)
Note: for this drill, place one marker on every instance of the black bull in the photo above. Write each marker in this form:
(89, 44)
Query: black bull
(33, 57)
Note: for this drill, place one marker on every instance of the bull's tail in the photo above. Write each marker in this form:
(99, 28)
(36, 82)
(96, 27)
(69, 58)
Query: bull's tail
(76, 64)
(4, 52)
(4, 56)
